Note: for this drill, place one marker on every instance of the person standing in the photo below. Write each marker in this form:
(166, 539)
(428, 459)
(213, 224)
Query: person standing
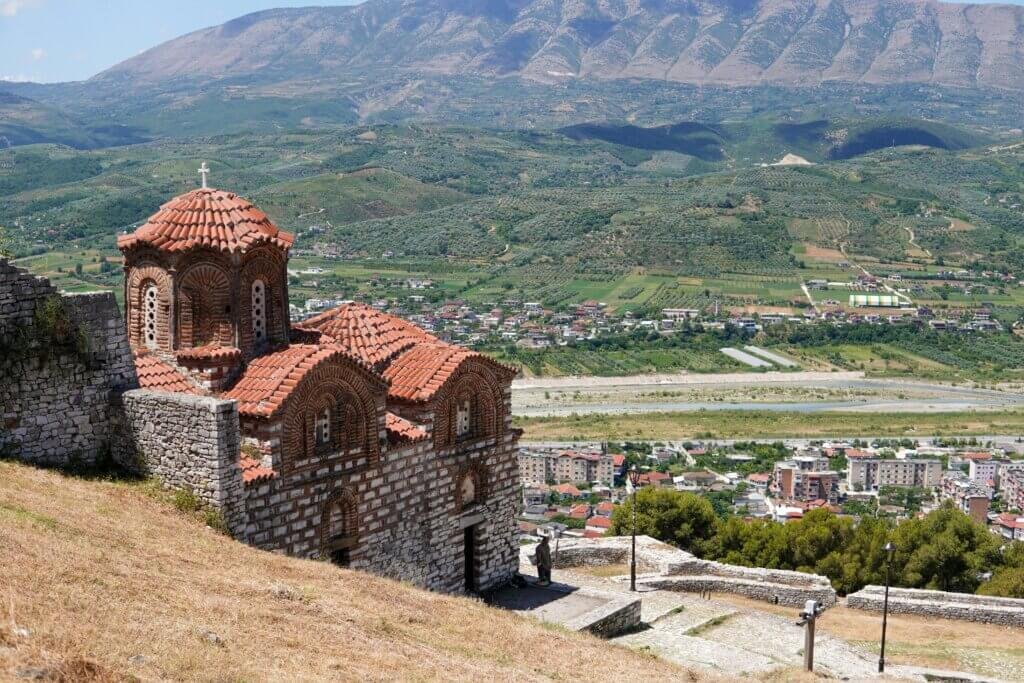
(543, 559)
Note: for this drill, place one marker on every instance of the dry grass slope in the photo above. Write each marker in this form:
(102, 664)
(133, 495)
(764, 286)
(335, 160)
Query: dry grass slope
(112, 582)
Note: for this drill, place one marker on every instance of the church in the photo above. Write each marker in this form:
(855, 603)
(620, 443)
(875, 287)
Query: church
(362, 439)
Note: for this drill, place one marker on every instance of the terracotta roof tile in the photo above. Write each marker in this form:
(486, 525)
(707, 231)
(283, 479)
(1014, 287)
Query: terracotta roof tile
(374, 336)
(417, 374)
(401, 430)
(207, 218)
(253, 470)
(270, 379)
(155, 375)
(224, 353)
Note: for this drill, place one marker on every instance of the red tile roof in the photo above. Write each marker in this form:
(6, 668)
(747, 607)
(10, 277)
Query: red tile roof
(600, 522)
(213, 353)
(367, 333)
(618, 459)
(567, 490)
(401, 430)
(606, 506)
(269, 380)
(206, 217)
(155, 375)
(253, 470)
(417, 374)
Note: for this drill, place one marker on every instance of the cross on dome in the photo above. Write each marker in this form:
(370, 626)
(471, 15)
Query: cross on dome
(204, 171)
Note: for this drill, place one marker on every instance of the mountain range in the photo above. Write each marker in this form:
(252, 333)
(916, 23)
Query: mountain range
(715, 42)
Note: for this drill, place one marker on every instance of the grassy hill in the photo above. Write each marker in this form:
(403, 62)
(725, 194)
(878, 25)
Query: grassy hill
(112, 582)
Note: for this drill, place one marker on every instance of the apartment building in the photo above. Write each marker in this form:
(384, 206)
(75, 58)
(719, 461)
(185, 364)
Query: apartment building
(970, 496)
(1011, 487)
(796, 480)
(871, 474)
(537, 466)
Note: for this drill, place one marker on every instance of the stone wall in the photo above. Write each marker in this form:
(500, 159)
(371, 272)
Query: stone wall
(64, 360)
(940, 604)
(668, 568)
(189, 442)
(410, 525)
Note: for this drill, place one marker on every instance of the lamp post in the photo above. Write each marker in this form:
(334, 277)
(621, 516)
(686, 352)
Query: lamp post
(634, 480)
(889, 548)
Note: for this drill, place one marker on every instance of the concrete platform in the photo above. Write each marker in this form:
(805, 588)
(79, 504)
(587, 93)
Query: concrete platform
(604, 614)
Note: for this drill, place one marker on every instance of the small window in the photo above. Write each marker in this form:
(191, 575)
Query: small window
(462, 418)
(149, 305)
(323, 427)
(259, 311)
(467, 491)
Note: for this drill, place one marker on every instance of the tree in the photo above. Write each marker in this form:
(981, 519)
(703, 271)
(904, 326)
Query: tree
(685, 520)
(4, 243)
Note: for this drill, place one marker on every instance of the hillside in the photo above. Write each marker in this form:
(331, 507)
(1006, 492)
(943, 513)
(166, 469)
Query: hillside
(733, 42)
(111, 581)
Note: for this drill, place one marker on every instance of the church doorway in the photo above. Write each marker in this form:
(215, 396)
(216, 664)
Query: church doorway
(469, 554)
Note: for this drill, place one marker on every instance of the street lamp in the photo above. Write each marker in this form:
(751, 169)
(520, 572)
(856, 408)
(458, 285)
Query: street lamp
(889, 549)
(634, 480)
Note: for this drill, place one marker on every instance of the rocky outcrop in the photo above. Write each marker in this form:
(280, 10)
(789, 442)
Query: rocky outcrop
(790, 42)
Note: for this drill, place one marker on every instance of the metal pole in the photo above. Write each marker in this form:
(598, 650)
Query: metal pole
(632, 559)
(885, 615)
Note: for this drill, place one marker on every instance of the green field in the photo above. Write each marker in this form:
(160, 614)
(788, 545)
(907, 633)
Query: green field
(740, 424)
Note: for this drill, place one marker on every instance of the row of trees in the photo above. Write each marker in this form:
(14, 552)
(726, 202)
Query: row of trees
(945, 550)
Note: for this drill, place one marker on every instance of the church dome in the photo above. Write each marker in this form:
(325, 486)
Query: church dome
(207, 218)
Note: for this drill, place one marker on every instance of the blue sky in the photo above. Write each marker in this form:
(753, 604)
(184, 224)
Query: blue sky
(64, 40)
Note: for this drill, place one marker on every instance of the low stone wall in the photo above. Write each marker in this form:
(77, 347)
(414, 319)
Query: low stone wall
(940, 604)
(64, 360)
(668, 568)
(189, 442)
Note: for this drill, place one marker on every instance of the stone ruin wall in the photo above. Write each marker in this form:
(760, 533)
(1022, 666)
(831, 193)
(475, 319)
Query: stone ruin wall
(667, 568)
(188, 442)
(940, 604)
(58, 396)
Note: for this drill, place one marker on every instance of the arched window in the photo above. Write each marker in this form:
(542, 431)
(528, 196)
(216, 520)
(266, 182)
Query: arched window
(149, 307)
(463, 418)
(259, 311)
(323, 427)
(467, 491)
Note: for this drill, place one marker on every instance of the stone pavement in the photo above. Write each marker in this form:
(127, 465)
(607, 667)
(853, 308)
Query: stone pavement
(733, 640)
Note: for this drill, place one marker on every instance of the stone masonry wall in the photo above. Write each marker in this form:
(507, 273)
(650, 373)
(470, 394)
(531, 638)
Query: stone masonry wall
(58, 397)
(189, 442)
(668, 568)
(963, 606)
(409, 526)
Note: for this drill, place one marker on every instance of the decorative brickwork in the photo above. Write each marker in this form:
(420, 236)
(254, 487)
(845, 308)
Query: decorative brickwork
(149, 318)
(205, 314)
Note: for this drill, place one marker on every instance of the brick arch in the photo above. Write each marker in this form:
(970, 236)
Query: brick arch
(204, 306)
(140, 277)
(339, 518)
(354, 414)
(477, 473)
(266, 265)
(474, 382)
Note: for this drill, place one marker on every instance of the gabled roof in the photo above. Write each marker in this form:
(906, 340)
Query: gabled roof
(209, 218)
(155, 375)
(367, 333)
(420, 372)
(269, 380)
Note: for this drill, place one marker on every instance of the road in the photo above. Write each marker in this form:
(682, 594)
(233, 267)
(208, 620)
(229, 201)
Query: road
(771, 391)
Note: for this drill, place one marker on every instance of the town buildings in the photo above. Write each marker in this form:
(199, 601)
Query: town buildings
(805, 480)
